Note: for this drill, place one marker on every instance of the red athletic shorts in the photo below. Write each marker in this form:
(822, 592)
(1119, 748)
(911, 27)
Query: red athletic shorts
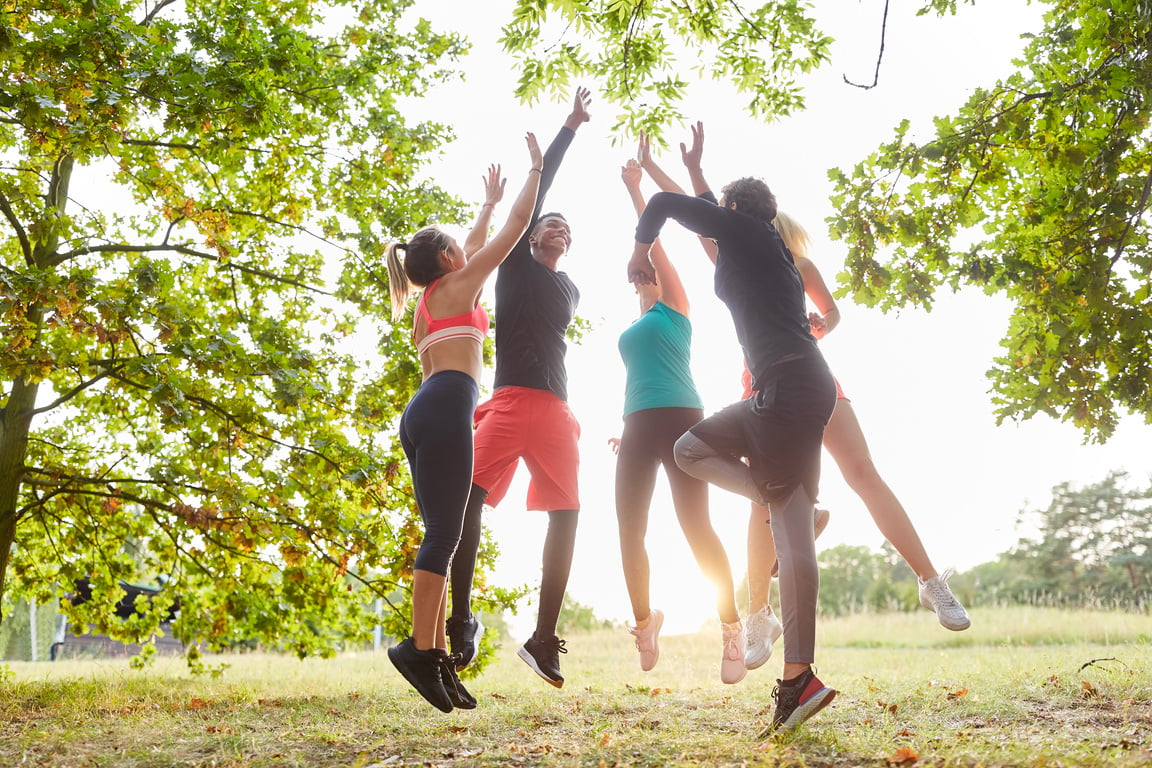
(746, 382)
(536, 425)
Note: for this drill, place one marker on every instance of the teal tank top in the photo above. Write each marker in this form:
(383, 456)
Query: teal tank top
(657, 352)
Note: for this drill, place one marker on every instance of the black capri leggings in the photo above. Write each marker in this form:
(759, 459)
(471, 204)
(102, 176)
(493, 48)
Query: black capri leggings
(436, 434)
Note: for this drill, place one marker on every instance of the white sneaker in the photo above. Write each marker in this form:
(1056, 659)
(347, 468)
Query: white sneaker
(732, 669)
(763, 630)
(648, 639)
(936, 596)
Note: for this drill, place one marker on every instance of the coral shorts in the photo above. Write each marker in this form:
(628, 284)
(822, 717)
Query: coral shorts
(534, 425)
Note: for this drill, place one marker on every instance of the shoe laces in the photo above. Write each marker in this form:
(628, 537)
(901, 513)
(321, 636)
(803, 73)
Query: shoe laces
(554, 643)
(757, 625)
(732, 634)
(939, 592)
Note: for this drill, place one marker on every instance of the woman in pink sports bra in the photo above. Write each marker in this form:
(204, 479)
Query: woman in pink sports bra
(449, 327)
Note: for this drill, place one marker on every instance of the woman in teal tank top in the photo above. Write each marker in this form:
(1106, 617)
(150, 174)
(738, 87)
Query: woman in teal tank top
(660, 404)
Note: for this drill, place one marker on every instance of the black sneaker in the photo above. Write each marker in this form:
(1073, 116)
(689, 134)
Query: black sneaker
(544, 657)
(423, 670)
(464, 638)
(459, 695)
(798, 701)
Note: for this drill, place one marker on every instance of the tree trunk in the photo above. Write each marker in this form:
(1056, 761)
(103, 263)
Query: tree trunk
(15, 424)
(16, 414)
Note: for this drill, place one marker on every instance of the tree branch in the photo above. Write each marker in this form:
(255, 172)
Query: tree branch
(879, 57)
(165, 144)
(104, 479)
(152, 13)
(60, 258)
(223, 413)
(72, 393)
(1131, 220)
(25, 245)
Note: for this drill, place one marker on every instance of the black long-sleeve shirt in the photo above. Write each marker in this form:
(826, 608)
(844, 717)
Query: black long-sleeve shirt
(755, 276)
(534, 304)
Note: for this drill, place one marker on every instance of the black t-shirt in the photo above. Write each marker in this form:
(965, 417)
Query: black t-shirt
(755, 276)
(534, 304)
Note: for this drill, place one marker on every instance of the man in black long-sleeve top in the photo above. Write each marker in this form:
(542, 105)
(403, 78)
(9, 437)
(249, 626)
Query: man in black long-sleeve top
(528, 417)
(779, 429)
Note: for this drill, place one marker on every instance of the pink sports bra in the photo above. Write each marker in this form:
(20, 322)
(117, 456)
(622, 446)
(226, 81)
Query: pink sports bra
(468, 325)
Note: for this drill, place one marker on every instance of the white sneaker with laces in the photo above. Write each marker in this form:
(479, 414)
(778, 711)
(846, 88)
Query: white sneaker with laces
(936, 596)
(763, 630)
(732, 669)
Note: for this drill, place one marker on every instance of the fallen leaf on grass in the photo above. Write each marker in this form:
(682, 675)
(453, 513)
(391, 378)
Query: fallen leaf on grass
(906, 732)
(605, 739)
(957, 694)
(658, 691)
(903, 756)
(196, 703)
(498, 696)
(459, 729)
(888, 707)
(1089, 690)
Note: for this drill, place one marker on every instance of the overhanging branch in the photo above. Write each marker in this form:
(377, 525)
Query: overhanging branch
(879, 57)
(60, 258)
(21, 235)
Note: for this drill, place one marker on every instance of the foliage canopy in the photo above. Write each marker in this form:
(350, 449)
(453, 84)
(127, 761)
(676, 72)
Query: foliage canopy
(196, 198)
(1037, 188)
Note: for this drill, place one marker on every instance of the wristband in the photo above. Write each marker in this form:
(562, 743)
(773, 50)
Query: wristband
(538, 170)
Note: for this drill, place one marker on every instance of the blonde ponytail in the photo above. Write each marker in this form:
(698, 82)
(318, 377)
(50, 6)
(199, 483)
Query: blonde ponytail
(795, 237)
(398, 286)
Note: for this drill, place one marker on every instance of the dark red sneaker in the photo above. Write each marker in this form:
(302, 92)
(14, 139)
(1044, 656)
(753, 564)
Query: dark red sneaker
(797, 702)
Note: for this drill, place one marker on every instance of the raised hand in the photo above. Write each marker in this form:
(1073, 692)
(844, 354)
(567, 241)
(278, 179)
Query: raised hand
(631, 173)
(537, 159)
(644, 150)
(579, 112)
(693, 155)
(493, 186)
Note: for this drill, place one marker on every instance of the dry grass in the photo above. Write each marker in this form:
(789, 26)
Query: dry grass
(1013, 695)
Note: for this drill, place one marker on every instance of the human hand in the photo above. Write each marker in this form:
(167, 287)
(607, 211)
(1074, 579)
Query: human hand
(493, 186)
(817, 324)
(579, 112)
(534, 155)
(692, 155)
(644, 150)
(614, 444)
(631, 173)
(640, 269)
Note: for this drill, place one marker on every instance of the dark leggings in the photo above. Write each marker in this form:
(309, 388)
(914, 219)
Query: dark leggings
(646, 445)
(559, 544)
(436, 434)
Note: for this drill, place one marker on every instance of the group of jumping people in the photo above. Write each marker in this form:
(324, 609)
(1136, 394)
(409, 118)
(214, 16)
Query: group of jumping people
(766, 447)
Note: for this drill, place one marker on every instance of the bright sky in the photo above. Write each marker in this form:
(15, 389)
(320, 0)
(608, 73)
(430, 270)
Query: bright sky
(915, 379)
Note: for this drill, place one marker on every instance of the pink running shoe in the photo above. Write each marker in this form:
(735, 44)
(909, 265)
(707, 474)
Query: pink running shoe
(648, 639)
(732, 669)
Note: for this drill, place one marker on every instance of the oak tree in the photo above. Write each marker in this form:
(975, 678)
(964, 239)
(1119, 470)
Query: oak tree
(1036, 188)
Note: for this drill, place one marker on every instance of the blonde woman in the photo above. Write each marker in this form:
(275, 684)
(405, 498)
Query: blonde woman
(844, 441)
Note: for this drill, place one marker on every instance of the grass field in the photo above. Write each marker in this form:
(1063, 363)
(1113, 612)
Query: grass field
(1023, 687)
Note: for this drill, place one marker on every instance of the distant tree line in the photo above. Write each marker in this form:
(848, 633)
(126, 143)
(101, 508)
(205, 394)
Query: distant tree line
(1092, 548)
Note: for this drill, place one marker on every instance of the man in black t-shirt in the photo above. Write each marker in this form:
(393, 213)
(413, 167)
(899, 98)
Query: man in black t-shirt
(528, 417)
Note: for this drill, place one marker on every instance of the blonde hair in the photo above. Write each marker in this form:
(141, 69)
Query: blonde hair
(420, 267)
(795, 237)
